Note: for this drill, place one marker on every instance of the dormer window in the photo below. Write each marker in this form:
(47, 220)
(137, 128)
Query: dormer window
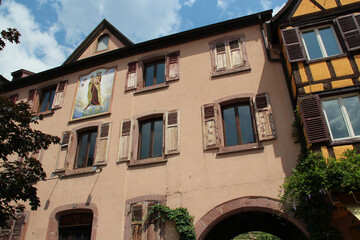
(102, 43)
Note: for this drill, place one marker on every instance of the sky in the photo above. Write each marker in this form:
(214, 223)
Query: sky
(52, 29)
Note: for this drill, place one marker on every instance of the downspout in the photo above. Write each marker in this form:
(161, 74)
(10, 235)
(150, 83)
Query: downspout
(266, 43)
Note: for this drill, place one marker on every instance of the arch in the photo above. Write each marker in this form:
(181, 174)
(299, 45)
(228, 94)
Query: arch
(53, 227)
(242, 205)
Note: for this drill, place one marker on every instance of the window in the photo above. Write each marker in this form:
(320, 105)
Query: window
(238, 123)
(151, 138)
(228, 55)
(103, 42)
(75, 226)
(153, 73)
(47, 98)
(320, 42)
(14, 229)
(238, 126)
(342, 116)
(86, 149)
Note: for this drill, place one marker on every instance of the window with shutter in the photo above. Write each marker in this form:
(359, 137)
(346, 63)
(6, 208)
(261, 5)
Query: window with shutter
(349, 27)
(238, 123)
(293, 45)
(85, 154)
(228, 55)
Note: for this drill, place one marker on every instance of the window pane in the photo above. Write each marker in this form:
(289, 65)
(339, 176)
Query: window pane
(158, 135)
(44, 101)
(145, 140)
(103, 43)
(335, 119)
(82, 152)
(231, 137)
(149, 75)
(352, 106)
(91, 156)
(329, 41)
(51, 99)
(160, 73)
(246, 128)
(312, 45)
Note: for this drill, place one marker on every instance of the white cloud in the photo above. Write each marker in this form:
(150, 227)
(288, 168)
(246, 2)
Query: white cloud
(266, 4)
(139, 20)
(189, 3)
(277, 9)
(222, 4)
(37, 51)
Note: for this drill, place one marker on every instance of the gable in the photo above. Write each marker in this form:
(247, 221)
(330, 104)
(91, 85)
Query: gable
(88, 47)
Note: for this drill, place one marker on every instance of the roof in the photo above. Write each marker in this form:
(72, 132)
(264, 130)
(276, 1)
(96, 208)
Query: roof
(158, 43)
(104, 24)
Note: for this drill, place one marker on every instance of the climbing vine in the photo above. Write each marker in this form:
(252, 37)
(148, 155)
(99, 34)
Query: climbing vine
(180, 216)
(307, 193)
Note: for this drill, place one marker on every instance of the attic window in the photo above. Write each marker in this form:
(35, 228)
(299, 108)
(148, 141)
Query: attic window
(102, 43)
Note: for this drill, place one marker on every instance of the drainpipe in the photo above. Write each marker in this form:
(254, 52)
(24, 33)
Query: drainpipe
(266, 43)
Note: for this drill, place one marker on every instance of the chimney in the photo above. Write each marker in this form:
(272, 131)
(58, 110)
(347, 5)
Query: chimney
(20, 74)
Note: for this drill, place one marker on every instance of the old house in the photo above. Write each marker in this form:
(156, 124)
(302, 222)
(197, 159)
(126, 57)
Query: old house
(200, 119)
(321, 42)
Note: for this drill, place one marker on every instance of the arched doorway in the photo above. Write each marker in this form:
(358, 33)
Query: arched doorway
(246, 214)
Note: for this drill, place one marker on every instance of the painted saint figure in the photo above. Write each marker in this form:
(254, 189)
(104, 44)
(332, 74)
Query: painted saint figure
(94, 93)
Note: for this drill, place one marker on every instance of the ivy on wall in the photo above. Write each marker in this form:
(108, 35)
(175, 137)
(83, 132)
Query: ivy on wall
(180, 216)
(307, 193)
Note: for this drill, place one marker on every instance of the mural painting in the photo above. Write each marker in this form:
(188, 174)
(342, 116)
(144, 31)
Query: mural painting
(94, 94)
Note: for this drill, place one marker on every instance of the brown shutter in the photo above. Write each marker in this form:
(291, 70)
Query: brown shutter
(236, 54)
(264, 117)
(59, 94)
(172, 66)
(63, 152)
(103, 144)
(131, 78)
(32, 99)
(220, 57)
(209, 127)
(350, 30)
(125, 140)
(136, 222)
(5, 232)
(293, 45)
(18, 227)
(172, 132)
(314, 122)
(14, 97)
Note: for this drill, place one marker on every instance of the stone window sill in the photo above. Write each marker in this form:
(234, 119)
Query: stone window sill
(230, 71)
(239, 148)
(150, 88)
(147, 161)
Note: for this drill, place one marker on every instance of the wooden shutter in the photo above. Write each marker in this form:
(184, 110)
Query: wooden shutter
(293, 45)
(264, 117)
(172, 132)
(136, 222)
(220, 57)
(172, 66)
(14, 97)
(102, 144)
(236, 54)
(126, 130)
(18, 227)
(59, 94)
(63, 152)
(131, 78)
(314, 122)
(5, 232)
(349, 27)
(32, 99)
(209, 127)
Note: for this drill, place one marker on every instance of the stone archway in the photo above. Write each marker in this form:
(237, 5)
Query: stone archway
(248, 214)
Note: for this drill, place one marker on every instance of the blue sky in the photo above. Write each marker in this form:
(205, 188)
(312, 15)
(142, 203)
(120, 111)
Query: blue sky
(52, 29)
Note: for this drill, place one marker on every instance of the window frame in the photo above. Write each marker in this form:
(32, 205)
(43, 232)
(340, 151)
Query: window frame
(51, 88)
(154, 63)
(230, 68)
(103, 36)
(152, 120)
(320, 41)
(345, 116)
(80, 134)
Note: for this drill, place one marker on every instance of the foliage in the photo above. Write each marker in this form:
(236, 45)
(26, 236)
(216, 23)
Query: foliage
(19, 140)
(256, 235)
(11, 34)
(180, 216)
(307, 192)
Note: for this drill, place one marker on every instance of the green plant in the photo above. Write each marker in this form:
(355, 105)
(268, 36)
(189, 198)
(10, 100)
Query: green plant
(307, 192)
(180, 216)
